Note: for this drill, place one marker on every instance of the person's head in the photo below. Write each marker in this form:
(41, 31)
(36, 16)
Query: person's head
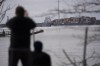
(38, 46)
(20, 11)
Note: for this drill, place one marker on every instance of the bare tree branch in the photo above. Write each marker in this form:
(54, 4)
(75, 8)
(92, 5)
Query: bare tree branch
(93, 56)
(3, 13)
(1, 2)
(69, 58)
(83, 7)
(2, 10)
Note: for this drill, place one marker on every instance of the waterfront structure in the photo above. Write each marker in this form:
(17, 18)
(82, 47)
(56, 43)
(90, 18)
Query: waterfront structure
(84, 20)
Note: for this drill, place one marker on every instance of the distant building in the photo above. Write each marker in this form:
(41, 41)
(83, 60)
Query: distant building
(87, 20)
(47, 21)
(75, 21)
(98, 64)
(97, 22)
(83, 20)
(39, 24)
(2, 25)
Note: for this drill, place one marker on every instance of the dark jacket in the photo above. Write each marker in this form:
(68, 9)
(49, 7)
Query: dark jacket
(20, 32)
(40, 59)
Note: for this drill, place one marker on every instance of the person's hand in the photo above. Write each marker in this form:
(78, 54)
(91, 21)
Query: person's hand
(26, 14)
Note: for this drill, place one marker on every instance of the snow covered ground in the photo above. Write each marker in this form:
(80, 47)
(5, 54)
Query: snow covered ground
(55, 39)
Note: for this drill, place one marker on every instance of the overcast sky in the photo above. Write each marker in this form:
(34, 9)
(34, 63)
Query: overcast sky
(38, 7)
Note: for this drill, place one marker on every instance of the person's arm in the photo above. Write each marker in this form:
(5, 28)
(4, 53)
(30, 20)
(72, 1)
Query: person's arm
(49, 61)
(32, 24)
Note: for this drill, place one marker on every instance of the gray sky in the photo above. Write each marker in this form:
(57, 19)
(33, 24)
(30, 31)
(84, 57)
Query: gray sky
(38, 7)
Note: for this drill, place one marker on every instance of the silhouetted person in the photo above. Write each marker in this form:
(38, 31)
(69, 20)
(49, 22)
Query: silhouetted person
(40, 58)
(20, 27)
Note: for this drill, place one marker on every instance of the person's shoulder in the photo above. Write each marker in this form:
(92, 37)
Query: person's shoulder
(30, 21)
(45, 54)
(28, 18)
(11, 19)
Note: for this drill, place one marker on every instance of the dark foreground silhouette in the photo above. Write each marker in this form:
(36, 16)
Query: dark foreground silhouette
(20, 27)
(40, 58)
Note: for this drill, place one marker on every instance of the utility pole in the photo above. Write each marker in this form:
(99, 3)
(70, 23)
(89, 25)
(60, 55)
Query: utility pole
(85, 39)
(85, 47)
(58, 11)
